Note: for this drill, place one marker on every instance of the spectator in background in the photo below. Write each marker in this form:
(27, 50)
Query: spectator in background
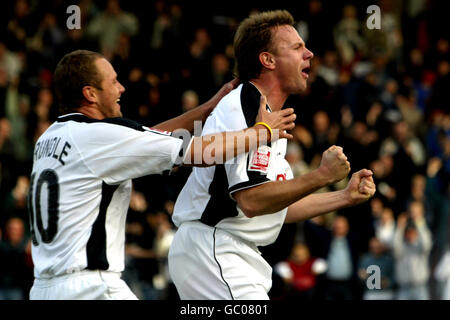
(108, 25)
(418, 193)
(442, 274)
(329, 68)
(189, 100)
(162, 24)
(322, 135)
(47, 39)
(20, 27)
(16, 271)
(347, 35)
(140, 258)
(15, 204)
(163, 239)
(148, 238)
(325, 134)
(341, 262)
(379, 256)
(311, 28)
(360, 142)
(437, 133)
(198, 61)
(409, 157)
(294, 156)
(17, 111)
(412, 246)
(437, 201)
(299, 273)
(385, 228)
(389, 94)
(376, 208)
(439, 100)
(43, 106)
(383, 174)
(337, 247)
(220, 71)
(412, 115)
(10, 63)
(7, 161)
(388, 40)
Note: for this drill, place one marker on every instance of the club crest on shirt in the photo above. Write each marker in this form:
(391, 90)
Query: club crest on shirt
(259, 159)
(158, 131)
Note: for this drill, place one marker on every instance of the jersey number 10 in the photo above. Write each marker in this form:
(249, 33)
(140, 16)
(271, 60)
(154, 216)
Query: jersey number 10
(49, 177)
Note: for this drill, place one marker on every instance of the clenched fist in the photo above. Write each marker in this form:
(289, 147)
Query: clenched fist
(361, 187)
(334, 165)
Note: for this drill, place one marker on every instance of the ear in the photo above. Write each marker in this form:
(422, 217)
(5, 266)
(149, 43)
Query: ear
(90, 94)
(267, 60)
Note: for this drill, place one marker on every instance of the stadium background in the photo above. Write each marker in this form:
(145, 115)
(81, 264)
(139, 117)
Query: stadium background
(381, 94)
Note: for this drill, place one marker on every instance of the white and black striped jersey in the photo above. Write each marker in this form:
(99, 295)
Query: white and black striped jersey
(207, 195)
(80, 190)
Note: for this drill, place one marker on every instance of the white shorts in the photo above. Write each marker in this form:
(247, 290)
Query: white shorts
(83, 285)
(207, 263)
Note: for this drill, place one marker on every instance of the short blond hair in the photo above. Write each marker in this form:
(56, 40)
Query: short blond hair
(253, 36)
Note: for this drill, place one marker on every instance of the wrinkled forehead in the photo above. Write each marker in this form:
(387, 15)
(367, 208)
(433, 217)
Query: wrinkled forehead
(285, 36)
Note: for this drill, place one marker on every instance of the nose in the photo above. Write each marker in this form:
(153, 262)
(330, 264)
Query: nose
(121, 88)
(308, 54)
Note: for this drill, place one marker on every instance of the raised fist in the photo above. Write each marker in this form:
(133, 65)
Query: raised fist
(334, 165)
(361, 187)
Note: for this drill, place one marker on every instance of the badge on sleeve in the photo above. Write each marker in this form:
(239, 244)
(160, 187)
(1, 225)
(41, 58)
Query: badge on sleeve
(259, 159)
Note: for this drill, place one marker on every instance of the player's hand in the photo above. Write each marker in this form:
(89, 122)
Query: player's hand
(279, 121)
(334, 165)
(361, 187)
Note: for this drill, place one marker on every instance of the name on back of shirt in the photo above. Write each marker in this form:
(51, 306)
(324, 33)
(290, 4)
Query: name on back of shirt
(52, 148)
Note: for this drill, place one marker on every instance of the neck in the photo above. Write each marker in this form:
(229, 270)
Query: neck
(91, 112)
(271, 88)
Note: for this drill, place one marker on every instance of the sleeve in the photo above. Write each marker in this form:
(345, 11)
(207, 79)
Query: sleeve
(117, 153)
(246, 170)
(319, 266)
(283, 270)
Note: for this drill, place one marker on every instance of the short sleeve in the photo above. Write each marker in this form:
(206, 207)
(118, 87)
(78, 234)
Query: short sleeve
(117, 153)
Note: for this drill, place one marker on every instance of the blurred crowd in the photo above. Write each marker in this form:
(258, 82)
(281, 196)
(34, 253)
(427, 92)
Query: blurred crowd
(378, 93)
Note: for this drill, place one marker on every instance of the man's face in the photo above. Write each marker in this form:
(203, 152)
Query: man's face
(340, 227)
(292, 59)
(109, 96)
(411, 235)
(300, 254)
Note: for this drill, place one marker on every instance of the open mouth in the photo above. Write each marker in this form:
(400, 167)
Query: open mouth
(305, 71)
(118, 100)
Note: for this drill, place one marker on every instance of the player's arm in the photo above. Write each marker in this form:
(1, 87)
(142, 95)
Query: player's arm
(359, 189)
(186, 120)
(219, 147)
(274, 196)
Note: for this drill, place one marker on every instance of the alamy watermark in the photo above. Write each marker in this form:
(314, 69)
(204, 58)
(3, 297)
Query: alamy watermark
(374, 20)
(74, 20)
(373, 281)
